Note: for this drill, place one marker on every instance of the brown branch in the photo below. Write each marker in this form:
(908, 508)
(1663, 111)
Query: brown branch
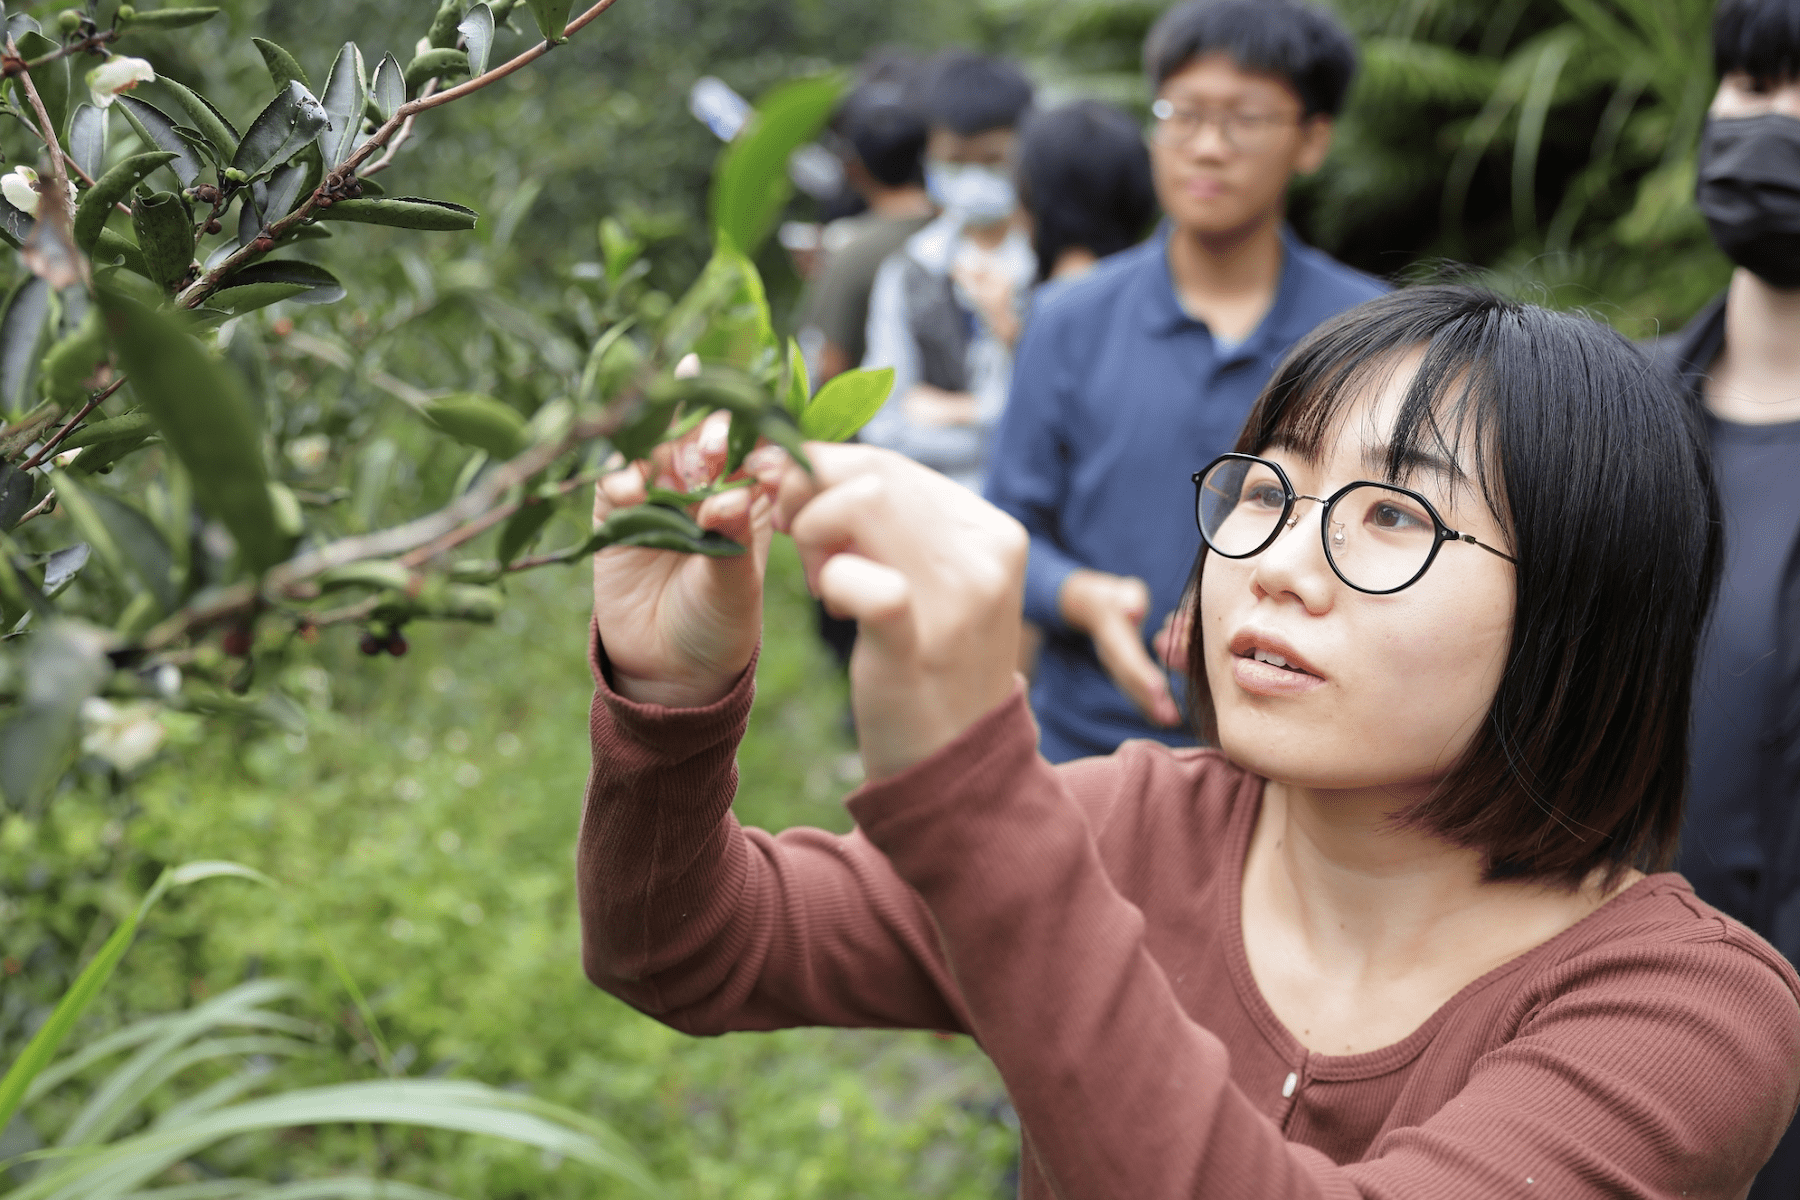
(14, 65)
(94, 402)
(208, 283)
(39, 509)
(472, 529)
(59, 179)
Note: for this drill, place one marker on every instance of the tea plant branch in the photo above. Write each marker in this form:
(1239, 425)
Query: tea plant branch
(15, 65)
(474, 528)
(59, 178)
(335, 180)
(472, 511)
(94, 402)
(39, 509)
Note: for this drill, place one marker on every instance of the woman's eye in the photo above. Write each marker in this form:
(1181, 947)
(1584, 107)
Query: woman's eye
(1264, 495)
(1391, 516)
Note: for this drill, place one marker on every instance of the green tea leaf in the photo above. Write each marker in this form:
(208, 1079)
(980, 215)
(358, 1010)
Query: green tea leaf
(126, 542)
(654, 527)
(113, 429)
(65, 663)
(205, 418)
(307, 283)
(346, 93)
(15, 224)
(799, 383)
(846, 404)
(110, 189)
(87, 138)
(552, 17)
(165, 237)
(388, 90)
(291, 122)
(208, 120)
(725, 316)
(479, 421)
(750, 182)
(477, 29)
(23, 325)
(155, 127)
(403, 212)
(284, 68)
(64, 373)
(17, 494)
(115, 249)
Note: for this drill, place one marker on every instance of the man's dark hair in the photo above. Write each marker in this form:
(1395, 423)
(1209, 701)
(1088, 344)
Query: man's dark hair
(1758, 37)
(887, 133)
(1302, 43)
(969, 93)
(1084, 176)
(1597, 466)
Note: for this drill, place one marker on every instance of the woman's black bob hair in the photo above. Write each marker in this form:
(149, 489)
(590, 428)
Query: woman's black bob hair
(1596, 465)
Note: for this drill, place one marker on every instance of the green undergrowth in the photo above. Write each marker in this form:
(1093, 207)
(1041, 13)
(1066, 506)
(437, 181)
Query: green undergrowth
(425, 819)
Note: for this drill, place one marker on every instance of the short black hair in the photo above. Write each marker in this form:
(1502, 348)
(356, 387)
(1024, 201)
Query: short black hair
(970, 93)
(1302, 43)
(1758, 37)
(887, 133)
(1597, 465)
(1084, 176)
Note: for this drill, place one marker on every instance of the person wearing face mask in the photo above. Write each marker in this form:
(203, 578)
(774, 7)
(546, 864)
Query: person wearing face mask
(951, 352)
(1739, 361)
(1162, 349)
(1405, 931)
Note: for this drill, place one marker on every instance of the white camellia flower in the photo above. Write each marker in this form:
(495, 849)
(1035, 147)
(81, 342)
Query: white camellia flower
(19, 186)
(125, 735)
(117, 74)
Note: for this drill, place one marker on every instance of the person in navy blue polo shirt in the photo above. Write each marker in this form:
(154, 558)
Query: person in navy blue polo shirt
(1131, 379)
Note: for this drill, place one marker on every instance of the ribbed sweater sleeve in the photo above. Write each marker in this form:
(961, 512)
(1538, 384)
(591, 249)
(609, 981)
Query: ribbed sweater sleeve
(1659, 1071)
(709, 926)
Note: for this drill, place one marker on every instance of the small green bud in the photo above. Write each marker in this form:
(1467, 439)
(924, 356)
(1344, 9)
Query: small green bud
(233, 175)
(69, 19)
(126, 12)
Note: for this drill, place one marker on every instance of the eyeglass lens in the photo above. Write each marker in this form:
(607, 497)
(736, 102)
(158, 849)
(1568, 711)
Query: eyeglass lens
(1378, 538)
(1240, 130)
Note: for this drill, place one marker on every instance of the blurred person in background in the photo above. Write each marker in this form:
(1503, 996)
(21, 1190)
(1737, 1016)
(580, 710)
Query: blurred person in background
(1084, 182)
(1740, 361)
(1153, 360)
(952, 363)
(883, 133)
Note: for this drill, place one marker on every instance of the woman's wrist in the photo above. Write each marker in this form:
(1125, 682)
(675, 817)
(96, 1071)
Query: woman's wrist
(701, 690)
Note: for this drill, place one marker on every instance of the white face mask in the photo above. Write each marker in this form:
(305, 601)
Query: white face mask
(981, 195)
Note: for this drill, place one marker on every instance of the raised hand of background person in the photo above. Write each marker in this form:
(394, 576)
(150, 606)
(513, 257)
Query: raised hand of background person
(1111, 610)
(934, 577)
(992, 294)
(680, 628)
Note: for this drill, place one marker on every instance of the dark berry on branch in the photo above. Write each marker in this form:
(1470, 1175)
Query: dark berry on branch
(370, 644)
(396, 646)
(213, 227)
(237, 641)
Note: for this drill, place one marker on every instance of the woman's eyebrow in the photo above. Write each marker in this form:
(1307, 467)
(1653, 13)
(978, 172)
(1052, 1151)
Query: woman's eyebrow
(1410, 461)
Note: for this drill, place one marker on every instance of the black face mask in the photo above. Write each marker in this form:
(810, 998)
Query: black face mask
(1749, 193)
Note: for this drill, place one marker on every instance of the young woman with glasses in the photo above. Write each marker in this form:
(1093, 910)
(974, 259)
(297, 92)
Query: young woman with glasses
(1400, 934)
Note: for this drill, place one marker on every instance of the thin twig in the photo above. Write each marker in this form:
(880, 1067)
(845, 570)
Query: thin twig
(208, 283)
(470, 530)
(15, 65)
(94, 401)
(59, 179)
(39, 509)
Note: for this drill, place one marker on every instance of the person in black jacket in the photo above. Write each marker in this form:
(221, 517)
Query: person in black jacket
(1740, 360)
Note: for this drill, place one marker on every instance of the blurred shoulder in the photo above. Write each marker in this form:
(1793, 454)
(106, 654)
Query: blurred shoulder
(1330, 284)
(1073, 303)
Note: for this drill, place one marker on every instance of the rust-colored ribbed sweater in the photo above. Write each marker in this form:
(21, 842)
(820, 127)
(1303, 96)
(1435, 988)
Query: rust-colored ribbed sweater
(1082, 923)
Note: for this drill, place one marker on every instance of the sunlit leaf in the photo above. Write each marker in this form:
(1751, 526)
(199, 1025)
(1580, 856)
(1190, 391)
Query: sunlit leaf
(477, 29)
(156, 128)
(206, 419)
(799, 383)
(346, 93)
(291, 122)
(724, 317)
(750, 182)
(388, 90)
(87, 139)
(845, 404)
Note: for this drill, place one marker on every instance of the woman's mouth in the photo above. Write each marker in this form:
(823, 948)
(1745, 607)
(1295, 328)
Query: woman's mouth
(1265, 672)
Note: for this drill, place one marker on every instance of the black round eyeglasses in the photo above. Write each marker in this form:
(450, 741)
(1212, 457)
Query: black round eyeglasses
(1378, 538)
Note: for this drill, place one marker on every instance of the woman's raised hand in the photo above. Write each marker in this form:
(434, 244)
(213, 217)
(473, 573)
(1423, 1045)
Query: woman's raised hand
(933, 575)
(680, 628)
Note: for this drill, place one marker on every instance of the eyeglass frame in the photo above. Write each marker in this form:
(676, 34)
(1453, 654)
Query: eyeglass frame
(1164, 111)
(1288, 520)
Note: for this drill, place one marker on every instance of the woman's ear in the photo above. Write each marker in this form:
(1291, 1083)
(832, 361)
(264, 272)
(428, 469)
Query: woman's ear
(1315, 143)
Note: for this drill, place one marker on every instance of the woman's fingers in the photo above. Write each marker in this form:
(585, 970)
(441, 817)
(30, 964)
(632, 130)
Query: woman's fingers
(858, 589)
(619, 489)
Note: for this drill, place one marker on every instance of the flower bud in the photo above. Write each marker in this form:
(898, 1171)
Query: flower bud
(69, 20)
(126, 12)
